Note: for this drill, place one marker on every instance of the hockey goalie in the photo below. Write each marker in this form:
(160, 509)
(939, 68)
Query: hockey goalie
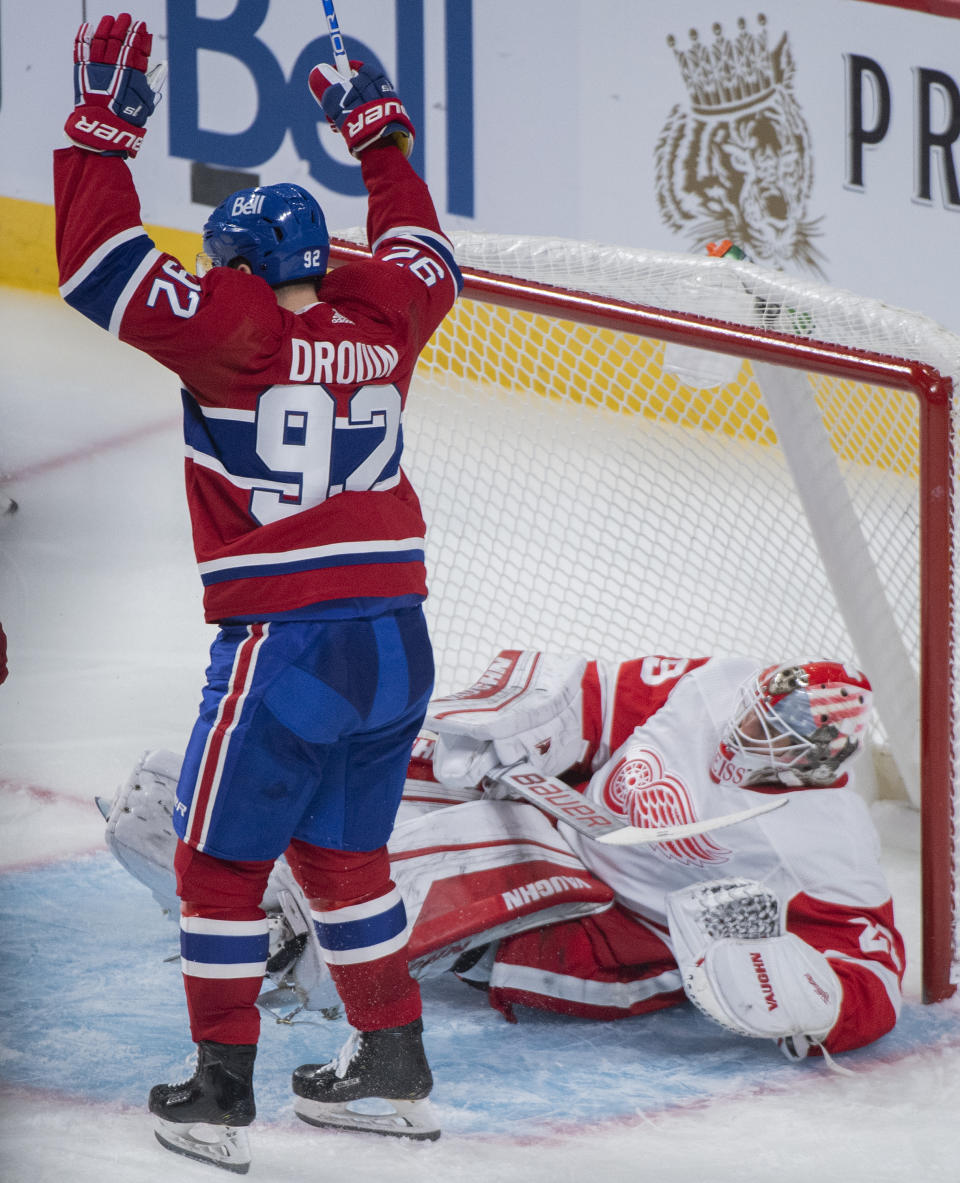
(779, 927)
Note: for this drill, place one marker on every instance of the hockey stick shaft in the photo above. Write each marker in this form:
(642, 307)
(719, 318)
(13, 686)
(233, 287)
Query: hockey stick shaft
(567, 805)
(636, 835)
(340, 59)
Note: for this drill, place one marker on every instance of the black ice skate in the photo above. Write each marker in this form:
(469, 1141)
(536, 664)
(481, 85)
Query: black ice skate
(199, 1117)
(377, 1084)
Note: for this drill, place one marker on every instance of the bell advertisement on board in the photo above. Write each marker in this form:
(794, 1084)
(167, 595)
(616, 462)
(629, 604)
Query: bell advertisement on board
(821, 138)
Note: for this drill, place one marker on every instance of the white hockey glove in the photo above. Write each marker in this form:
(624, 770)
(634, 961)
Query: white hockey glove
(743, 970)
(460, 762)
(526, 705)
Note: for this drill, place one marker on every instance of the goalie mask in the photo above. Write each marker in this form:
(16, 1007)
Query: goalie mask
(795, 725)
(278, 230)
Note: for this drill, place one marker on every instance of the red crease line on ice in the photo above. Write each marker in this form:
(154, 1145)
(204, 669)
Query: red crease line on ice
(47, 797)
(93, 449)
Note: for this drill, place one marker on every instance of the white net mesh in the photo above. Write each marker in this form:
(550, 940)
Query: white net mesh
(592, 491)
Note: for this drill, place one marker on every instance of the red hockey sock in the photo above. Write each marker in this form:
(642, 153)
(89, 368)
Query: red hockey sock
(361, 924)
(224, 944)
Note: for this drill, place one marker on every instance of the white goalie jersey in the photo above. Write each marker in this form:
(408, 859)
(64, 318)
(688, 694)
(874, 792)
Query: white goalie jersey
(650, 731)
(823, 846)
(780, 926)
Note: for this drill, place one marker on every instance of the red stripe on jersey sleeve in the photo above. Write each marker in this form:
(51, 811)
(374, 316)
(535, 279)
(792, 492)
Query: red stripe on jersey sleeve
(642, 688)
(591, 721)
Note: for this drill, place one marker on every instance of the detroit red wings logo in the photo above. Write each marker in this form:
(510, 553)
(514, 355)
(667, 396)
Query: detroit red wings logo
(647, 795)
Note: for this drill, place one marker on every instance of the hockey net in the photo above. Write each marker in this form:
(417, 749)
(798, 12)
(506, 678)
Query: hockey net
(622, 452)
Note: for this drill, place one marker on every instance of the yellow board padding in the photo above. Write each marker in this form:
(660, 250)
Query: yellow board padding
(28, 258)
(559, 360)
(572, 362)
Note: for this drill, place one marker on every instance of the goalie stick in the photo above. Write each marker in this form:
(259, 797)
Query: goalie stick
(594, 820)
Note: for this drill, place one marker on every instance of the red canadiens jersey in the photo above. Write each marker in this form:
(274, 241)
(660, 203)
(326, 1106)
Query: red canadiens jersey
(293, 422)
(654, 725)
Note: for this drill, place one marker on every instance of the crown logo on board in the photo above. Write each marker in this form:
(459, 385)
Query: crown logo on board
(730, 73)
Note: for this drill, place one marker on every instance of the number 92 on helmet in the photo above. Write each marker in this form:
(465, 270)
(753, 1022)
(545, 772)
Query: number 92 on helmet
(279, 231)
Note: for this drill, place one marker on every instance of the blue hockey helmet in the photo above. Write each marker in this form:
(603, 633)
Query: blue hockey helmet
(278, 230)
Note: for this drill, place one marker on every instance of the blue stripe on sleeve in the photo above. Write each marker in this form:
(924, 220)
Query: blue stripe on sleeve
(97, 295)
(441, 249)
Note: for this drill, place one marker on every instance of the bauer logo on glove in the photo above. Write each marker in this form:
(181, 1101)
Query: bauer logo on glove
(363, 107)
(113, 94)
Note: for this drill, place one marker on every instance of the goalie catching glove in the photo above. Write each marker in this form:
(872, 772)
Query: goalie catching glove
(113, 94)
(742, 968)
(363, 107)
(525, 706)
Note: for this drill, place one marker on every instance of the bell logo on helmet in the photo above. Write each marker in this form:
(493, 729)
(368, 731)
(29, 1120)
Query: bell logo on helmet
(247, 205)
(278, 231)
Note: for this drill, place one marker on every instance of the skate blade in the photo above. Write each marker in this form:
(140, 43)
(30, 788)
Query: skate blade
(222, 1145)
(372, 1115)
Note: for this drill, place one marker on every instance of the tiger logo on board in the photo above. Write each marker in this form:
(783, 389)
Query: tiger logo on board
(736, 161)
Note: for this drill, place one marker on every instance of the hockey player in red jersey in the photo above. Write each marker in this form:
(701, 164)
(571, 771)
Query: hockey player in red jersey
(310, 546)
(779, 927)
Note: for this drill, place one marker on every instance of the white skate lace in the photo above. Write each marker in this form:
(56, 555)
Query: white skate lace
(191, 1062)
(345, 1055)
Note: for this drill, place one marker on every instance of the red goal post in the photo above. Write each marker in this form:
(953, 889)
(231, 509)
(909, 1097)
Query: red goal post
(624, 452)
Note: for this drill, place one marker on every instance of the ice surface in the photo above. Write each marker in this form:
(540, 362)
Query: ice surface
(101, 604)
